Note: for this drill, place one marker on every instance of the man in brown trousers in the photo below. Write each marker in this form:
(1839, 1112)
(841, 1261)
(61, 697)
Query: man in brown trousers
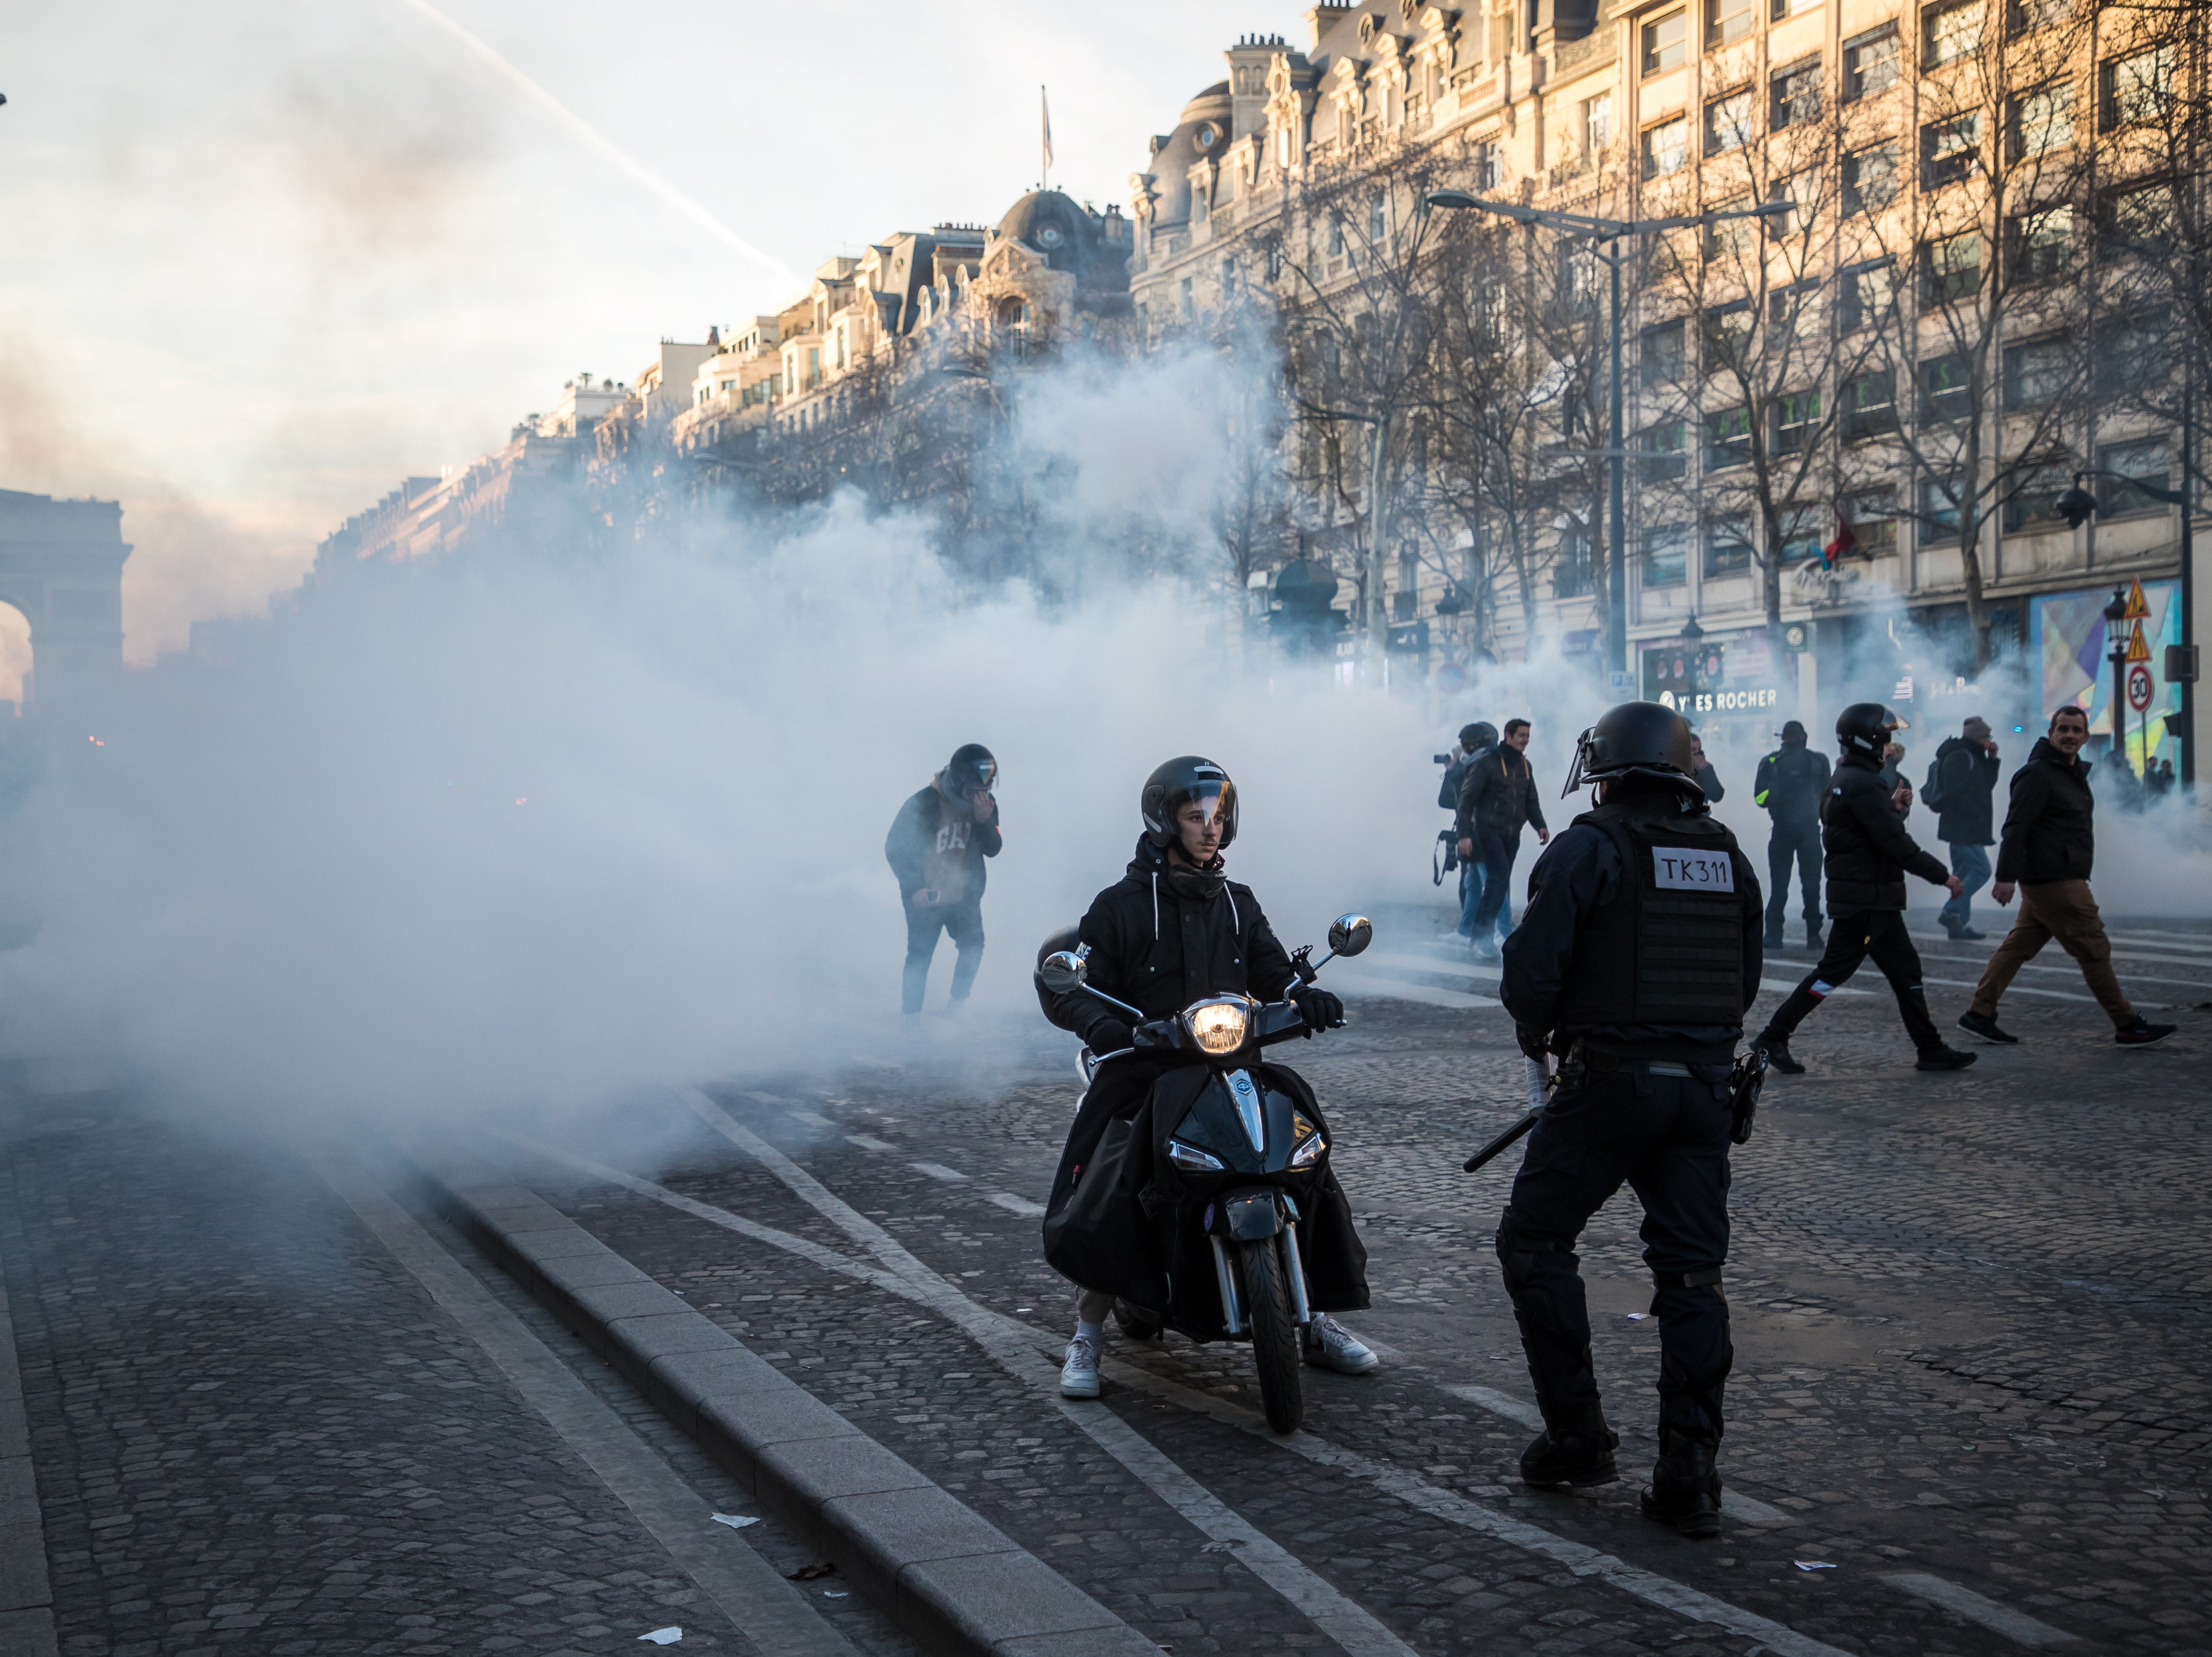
(2046, 851)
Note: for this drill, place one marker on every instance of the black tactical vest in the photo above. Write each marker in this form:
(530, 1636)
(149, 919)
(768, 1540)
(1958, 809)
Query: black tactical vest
(1668, 948)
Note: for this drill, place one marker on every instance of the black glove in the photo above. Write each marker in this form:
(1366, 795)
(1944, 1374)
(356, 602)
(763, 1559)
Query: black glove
(1321, 1009)
(1531, 1040)
(1111, 1035)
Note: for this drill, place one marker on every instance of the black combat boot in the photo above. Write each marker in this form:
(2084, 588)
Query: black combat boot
(1778, 1052)
(1580, 1455)
(1686, 1487)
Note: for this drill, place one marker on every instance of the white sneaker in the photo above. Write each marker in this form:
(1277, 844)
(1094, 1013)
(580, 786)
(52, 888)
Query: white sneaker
(1330, 1345)
(1078, 1376)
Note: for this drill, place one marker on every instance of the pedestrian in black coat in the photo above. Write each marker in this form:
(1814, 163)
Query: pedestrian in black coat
(1789, 785)
(1962, 783)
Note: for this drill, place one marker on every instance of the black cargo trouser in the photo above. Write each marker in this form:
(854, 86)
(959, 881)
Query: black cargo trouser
(1798, 843)
(1854, 936)
(1668, 1137)
(964, 923)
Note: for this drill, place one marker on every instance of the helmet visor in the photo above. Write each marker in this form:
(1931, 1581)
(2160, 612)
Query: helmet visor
(1214, 799)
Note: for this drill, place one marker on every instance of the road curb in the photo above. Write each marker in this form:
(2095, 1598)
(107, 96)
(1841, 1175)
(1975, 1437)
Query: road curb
(949, 1577)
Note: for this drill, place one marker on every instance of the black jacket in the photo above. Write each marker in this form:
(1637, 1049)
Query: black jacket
(1162, 938)
(1790, 784)
(1710, 781)
(1870, 853)
(919, 848)
(1580, 870)
(1967, 775)
(1498, 794)
(2049, 832)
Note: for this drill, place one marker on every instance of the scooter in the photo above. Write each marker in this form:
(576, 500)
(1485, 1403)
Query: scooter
(1240, 1148)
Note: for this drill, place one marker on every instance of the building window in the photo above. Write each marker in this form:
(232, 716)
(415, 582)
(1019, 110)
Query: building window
(1666, 42)
(1792, 312)
(1804, 531)
(1728, 546)
(2134, 353)
(2028, 16)
(2042, 121)
(1945, 390)
(1726, 330)
(1865, 295)
(2036, 371)
(2138, 90)
(1951, 270)
(1872, 515)
(1728, 122)
(1797, 420)
(1870, 62)
(1949, 32)
(2139, 219)
(1948, 149)
(2149, 462)
(2042, 244)
(1667, 445)
(1189, 299)
(2033, 503)
(1869, 179)
(1377, 221)
(1733, 233)
(1728, 438)
(1663, 352)
(1795, 97)
(1870, 406)
(1727, 21)
(1485, 165)
(1665, 556)
(1939, 511)
(1666, 147)
(1597, 124)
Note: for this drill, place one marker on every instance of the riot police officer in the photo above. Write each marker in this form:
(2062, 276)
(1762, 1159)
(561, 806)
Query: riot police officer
(1634, 964)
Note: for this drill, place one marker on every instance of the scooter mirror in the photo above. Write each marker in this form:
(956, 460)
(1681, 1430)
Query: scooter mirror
(1349, 934)
(1062, 971)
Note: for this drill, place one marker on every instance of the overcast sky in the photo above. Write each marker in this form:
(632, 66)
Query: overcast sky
(264, 260)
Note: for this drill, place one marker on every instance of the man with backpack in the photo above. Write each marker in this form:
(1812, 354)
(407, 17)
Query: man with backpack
(1475, 740)
(1961, 790)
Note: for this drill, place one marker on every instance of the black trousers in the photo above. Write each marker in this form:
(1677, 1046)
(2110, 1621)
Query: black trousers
(964, 923)
(1667, 1137)
(1853, 938)
(1797, 842)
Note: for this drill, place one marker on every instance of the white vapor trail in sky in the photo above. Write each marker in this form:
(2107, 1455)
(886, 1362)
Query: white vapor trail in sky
(598, 141)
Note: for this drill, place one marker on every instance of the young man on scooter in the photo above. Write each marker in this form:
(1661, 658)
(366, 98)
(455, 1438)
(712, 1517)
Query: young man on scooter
(1174, 930)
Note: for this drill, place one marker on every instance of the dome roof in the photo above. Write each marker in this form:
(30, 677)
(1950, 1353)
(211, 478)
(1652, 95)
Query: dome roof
(1208, 123)
(1055, 227)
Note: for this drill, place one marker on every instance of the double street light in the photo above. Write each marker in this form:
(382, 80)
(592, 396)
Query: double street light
(1605, 234)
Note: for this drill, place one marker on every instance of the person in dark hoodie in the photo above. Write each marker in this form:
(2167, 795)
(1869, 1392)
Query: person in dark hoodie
(2050, 842)
(936, 847)
(1961, 788)
(1869, 856)
(1790, 784)
(1173, 930)
(1475, 740)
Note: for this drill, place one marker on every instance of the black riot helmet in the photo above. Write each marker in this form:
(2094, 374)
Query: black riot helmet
(1174, 784)
(1474, 739)
(1865, 728)
(1636, 739)
(972, 770)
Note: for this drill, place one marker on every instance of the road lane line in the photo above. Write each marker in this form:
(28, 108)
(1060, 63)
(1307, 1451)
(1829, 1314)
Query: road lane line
(1733, 1502)
(1016, 1346)
(747, 1589)
(1447, 966)
(1975, 1608)
(1383, 986)
(938, 1171)
(1021, 1206)
(869, 1142)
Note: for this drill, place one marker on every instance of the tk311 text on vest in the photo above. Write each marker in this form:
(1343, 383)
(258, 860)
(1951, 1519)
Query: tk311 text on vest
(1692, 871)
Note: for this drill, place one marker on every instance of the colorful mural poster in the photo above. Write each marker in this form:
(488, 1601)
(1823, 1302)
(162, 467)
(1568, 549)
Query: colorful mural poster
(2067, 636)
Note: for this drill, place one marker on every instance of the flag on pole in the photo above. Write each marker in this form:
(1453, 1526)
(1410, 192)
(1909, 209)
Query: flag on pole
(1846, 542)
(1044, 108)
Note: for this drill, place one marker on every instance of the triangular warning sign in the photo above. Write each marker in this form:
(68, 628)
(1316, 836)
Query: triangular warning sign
(2138, 606)
(2138, 650)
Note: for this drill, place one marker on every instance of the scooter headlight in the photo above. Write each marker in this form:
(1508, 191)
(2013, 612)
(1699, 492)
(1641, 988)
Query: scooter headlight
(1306, 1142)
(1192, 1160)
(1217, 1027)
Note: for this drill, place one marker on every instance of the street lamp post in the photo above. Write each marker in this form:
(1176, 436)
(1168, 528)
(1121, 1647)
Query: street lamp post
(2077, 505)
(1607, 234)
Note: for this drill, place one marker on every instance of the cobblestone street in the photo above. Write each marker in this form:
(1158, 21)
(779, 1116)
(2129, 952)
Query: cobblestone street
(1968, 1412)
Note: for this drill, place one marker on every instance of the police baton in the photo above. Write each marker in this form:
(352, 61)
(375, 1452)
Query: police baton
(1539, 1083)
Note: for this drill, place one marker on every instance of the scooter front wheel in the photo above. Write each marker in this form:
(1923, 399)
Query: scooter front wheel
(1274, 1336)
